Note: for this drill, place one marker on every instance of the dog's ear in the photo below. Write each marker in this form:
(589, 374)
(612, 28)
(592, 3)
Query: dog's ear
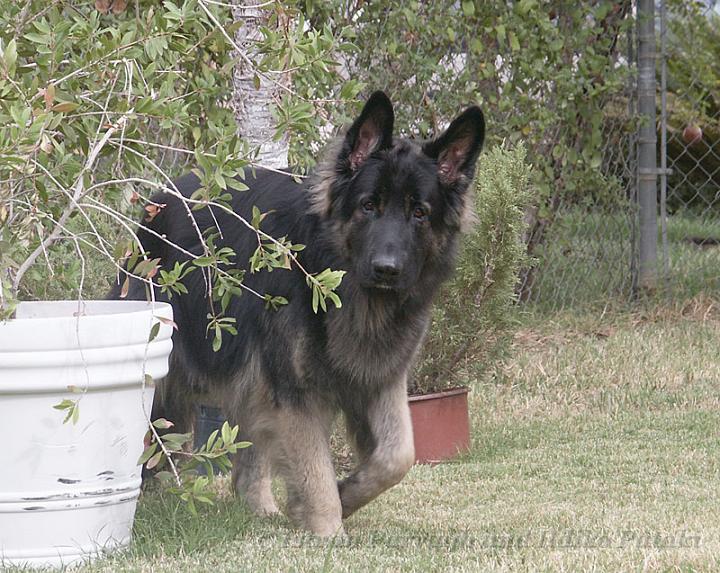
(457, 150)
(370, 132)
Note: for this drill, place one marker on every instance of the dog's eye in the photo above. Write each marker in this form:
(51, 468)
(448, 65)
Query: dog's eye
(368, 206)
(419, 213)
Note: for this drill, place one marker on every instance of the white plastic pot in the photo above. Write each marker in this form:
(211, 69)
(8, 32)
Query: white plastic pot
(68, 491)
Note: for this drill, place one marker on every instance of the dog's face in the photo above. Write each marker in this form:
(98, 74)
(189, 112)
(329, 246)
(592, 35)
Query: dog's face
(398, 200)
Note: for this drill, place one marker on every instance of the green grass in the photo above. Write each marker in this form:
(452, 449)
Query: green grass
(594, 448)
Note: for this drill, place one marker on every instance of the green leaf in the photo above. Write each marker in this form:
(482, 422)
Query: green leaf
(315, 298)
(211, 440)
(9, 57)
(65, 106)
(335, 299)
(236, 184)
(524, 6)
(225, 432)
(147, 453)
(154, 331)
(203, 261)
(36, 38)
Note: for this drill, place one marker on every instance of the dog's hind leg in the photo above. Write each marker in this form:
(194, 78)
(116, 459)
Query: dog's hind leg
(252, 477)
(303, 448)
(382, 433)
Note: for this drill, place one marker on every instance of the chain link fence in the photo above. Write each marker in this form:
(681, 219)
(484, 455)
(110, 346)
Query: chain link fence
(589, 255)
(690, 146)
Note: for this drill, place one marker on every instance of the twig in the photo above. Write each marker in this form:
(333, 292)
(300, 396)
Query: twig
(123, 220)
(206, 154)
(79, 187)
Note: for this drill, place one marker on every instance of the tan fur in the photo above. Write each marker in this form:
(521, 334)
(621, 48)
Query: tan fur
(293, 442)
(323, 178)
(250, 406)
(303, 458)
(393, 455)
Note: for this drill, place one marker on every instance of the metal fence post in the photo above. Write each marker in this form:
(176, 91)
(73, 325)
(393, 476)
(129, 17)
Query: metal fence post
(647, 146)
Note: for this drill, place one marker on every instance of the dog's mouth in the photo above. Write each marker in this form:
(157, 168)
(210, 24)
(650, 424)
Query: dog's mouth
(371, 281)
(382, 286)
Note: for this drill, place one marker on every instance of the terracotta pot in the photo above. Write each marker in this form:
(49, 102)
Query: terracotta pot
(441, 425)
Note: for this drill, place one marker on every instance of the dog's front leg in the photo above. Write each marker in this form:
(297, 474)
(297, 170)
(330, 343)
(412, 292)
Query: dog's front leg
(303, 457)
(384, 441)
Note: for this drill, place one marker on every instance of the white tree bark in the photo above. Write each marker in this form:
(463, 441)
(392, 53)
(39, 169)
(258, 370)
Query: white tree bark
(252, 105)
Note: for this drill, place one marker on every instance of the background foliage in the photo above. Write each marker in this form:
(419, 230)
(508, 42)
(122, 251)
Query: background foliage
(693, 68)
(99, 108)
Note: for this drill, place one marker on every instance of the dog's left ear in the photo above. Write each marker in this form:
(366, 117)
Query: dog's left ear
(370, 132)
(457, 150)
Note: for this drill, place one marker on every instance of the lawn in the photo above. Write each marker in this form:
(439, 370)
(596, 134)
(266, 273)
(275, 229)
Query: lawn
(595, 448)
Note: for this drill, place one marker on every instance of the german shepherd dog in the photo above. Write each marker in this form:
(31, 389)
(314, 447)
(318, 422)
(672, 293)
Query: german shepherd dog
(386, 210)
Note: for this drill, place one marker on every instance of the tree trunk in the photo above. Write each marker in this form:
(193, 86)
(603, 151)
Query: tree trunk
(252, 100)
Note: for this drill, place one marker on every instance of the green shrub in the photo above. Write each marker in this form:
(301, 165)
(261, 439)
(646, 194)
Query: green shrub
(474, 312)
(100, 108)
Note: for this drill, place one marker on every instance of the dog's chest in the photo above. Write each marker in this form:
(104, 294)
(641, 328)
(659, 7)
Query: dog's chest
(373, 344)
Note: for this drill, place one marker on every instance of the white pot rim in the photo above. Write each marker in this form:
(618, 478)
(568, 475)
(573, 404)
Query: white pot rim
(71, 324)
(50, 346)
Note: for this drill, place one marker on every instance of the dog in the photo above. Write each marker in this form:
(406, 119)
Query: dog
(389, 212)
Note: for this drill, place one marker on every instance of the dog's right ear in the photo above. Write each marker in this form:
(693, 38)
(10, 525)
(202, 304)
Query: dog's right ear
(370, 132)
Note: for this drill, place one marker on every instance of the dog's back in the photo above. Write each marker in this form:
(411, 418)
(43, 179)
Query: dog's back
(177, 230)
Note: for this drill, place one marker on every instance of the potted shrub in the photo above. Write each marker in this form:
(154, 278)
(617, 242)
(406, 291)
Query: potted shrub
(473, 312)
(81, 105)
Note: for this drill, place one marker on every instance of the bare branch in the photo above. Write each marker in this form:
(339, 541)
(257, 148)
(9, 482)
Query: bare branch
(79, 187)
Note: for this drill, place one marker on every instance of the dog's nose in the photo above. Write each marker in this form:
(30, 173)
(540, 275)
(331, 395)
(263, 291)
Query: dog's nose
(386, 268)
